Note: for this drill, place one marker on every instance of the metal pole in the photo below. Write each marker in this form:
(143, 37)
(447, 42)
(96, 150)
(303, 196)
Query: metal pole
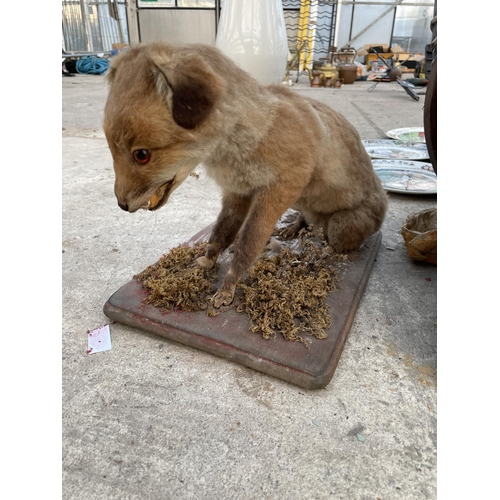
(217, 15)
(393, 24)
(107, 31)
(100, 35)
(302, 34)
(330, 41)
(84, 7)
(133, 22)
(114, 13)
(352, 18)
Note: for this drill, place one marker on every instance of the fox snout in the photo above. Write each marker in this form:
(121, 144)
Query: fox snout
(129, 198)
(123, 206)
(147, 196)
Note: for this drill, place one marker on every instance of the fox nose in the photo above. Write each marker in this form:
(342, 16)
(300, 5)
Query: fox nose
(123, 206)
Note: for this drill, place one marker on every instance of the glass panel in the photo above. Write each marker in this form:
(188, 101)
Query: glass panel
(412, 28)
(178, 25)
(156, 3)
(92, 28)
(380, 32)
(181, 4)
(344, 25)
(196, 3)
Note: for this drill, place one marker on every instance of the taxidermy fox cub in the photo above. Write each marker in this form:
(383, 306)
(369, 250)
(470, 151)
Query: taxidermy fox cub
(171, 108)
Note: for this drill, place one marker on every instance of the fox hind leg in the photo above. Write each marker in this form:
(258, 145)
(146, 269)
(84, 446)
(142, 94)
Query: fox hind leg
(346, 230)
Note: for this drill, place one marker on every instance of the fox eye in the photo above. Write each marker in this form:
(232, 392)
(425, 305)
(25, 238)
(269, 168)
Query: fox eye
(141, 156)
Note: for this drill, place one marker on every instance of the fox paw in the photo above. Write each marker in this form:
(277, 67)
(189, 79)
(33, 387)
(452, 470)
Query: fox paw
(204, 262)
(291, 231)
(223, 297)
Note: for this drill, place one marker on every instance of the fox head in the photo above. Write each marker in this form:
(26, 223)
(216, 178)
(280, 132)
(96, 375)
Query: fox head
(159, 102)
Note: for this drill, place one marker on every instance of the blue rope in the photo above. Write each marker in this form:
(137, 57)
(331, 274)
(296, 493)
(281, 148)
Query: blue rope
(92, 65)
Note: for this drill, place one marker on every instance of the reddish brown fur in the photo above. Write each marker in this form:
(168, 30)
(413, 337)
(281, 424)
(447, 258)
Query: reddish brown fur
(267, 147)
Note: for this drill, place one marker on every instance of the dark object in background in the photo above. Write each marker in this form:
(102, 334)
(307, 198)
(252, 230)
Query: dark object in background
(418, 82)
(410, 64)
(429, 57)
(65, 70)
(430, 116)
(430, 105)
(71, 66)
(394, 74)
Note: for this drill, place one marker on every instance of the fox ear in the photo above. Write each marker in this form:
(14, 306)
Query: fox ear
(190, 87)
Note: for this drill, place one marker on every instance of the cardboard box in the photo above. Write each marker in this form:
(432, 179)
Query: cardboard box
(396, 49)
(396, 56)
(395, 52)
(380, 47)
(375, 57)
(116, 48)
(408, 64)
(406, 56)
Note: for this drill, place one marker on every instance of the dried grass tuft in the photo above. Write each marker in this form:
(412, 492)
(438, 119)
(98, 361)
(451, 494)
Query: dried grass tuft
(287, 293)
(175, 283)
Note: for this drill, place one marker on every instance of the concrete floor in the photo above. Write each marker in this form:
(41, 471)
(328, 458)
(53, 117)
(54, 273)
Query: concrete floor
(158, 420)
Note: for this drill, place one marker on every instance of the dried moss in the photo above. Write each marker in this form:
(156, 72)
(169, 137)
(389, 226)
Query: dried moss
(287, 293)
(282, 294)
(175, 283)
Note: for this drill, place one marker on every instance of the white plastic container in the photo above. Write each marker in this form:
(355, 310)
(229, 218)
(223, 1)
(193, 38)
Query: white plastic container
(253, 34)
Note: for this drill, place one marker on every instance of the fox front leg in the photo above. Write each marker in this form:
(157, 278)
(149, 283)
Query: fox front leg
(266, 208)
(229, 222)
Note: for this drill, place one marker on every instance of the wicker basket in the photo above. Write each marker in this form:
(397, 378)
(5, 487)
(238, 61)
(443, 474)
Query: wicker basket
(420, 234)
